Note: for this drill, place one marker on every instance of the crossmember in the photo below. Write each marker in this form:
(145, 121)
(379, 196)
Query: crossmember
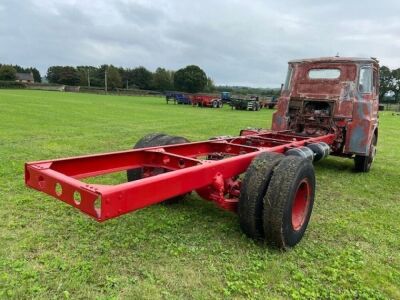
(209, 167)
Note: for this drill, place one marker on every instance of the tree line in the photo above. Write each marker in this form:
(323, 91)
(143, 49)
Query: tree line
(189, 79)
(9, 72)
(389, 83)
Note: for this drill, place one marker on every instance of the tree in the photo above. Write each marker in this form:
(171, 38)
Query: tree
(113, 78)
(88, 74)
(395, 86)
(63, 75)
(210, 87)
(36, 74)
(142, 78)
(97, 76)
(163, 80)
(385, 81)
(69, 76)
(190, 79)
(53, 74)
(7, 73)
(127, 76)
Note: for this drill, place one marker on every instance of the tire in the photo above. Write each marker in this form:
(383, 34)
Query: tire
(149, 140)
(288, 202)
(253, 189)
(153, 140)
(215, 104)
(363, 163)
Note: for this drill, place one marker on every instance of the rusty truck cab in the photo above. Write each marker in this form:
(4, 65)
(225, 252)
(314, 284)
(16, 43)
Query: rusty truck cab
(333, 95)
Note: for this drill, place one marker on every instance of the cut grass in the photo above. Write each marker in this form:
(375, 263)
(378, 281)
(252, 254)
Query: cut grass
(191, 250)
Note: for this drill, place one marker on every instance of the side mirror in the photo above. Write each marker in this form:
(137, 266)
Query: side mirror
(281, 88)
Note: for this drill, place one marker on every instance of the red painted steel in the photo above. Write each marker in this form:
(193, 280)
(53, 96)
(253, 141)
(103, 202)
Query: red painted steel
(188, 167)
(301, 203)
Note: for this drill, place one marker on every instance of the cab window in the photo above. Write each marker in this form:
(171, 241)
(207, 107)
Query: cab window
(365, 80)
(324, 73)
(286, 86)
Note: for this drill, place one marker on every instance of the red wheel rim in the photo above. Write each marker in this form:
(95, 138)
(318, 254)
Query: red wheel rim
(300, 204)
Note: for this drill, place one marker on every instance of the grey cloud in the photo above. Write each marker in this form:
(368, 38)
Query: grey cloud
(236, 42)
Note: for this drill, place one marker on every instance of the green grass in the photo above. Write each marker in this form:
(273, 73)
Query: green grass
(49, 250)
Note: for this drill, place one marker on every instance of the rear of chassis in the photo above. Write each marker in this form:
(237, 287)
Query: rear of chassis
(213, 168)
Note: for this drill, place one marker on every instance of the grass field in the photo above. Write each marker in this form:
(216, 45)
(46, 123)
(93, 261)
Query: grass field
(193, 250)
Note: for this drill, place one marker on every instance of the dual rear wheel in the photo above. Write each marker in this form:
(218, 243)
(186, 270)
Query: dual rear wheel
(276, 199)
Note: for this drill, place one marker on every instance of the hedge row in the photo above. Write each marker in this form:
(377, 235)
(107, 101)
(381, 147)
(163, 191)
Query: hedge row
(11, 85)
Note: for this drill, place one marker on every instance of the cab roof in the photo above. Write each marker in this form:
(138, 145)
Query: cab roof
(336, 59)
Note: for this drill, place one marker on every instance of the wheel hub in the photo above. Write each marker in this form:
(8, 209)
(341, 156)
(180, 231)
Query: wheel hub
(300, 204)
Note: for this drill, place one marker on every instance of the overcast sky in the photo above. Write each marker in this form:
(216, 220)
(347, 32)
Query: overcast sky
(236, 42)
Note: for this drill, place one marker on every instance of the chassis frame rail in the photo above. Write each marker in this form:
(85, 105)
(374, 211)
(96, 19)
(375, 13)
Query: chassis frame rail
(188, 167)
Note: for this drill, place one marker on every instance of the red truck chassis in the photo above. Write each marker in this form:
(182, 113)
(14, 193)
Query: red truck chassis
(327, 106)
(187, 166)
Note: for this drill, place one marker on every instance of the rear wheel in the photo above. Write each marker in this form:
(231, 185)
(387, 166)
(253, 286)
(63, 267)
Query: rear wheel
(153, 140)
(363, 163)
(253, 189)
(288, 202)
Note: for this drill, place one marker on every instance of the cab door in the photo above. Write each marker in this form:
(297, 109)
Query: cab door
(361, 128)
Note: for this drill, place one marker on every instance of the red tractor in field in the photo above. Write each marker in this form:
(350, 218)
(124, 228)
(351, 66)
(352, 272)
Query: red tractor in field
(327, 106)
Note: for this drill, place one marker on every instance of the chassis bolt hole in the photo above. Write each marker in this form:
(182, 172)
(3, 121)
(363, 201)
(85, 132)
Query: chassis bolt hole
(181, 163)
(77, 198)
(58, 189)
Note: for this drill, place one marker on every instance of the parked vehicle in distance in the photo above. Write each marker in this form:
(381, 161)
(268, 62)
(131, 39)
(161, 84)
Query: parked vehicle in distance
(204, 100)
(226, 97)
(178, 97)
(268, 102)
(251, 103)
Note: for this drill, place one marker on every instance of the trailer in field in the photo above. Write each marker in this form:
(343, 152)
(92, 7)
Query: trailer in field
(178, 97)
(205, 100)
(327, 106)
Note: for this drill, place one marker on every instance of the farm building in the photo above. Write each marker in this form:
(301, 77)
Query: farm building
(24, 77)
